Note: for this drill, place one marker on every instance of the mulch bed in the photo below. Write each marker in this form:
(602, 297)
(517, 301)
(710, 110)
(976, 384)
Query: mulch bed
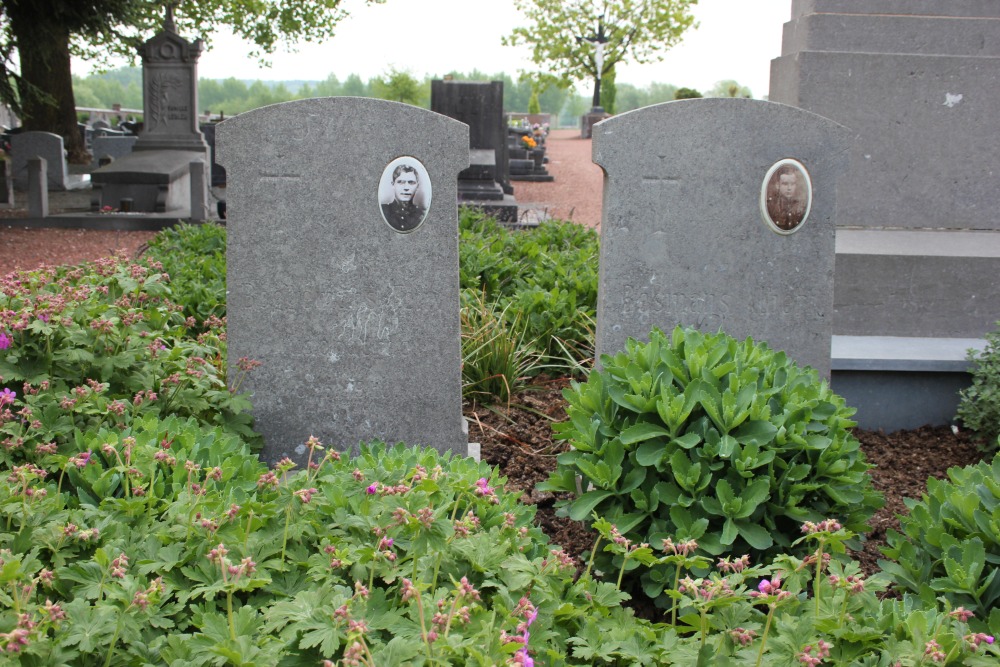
(517, 438)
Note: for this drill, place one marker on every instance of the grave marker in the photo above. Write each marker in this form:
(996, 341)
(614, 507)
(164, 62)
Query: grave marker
(686, 237)
(354, 316)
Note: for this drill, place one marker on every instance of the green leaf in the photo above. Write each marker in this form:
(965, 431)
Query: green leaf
(641, 432)
(581, 508)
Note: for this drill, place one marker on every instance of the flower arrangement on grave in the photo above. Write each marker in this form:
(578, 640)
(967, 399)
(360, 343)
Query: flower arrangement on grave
(528, 142)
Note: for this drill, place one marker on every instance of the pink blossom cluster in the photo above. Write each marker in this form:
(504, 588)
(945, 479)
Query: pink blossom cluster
(822, 650)
(770, 588)
(730, 566)
(825, 526)
(680, 548)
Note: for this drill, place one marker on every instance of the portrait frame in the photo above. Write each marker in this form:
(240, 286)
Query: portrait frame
(786, 215)
(390, 210)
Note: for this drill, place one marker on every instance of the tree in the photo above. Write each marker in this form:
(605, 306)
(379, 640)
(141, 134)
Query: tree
(729, 88)
(45, 33)
(583, 39)
(398, 86)
(687, 94)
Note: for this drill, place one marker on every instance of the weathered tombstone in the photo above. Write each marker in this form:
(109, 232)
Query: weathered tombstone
(918, 238)
(478, 104)
(156, 175)
(38, 192)
(218, 173)
(689, 234)
(351, 307)
(113, 147)
(6, 185)
(28, 145)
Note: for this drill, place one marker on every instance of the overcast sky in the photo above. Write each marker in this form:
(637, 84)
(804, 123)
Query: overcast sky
(735, 39)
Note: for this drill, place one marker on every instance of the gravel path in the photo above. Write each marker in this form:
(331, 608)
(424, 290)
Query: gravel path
(575, 195)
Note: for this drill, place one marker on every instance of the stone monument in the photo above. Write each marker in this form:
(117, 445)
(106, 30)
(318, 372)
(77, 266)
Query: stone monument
(696, 230)
(486, 183)
(26, 146)
(156, 176)
(918, 218)
(343, 272)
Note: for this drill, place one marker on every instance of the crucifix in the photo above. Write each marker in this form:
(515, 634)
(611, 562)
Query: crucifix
(168, 21)
(598, 39)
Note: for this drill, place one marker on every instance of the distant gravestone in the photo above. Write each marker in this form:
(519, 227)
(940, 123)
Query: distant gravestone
(6, 185)
(48, 146)
(479, 104)
(343, 272)
(718, 214)
(112, 146)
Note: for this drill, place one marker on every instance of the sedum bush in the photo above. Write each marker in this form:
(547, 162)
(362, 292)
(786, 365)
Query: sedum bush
(979, 404)
(950, 544)
(700, 437)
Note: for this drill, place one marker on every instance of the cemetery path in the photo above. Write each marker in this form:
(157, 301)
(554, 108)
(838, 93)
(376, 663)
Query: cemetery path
(576, 192)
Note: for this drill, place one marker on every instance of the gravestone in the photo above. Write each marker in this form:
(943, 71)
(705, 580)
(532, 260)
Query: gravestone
(38, 193)
(156, 176)
(486, 183)
(688, 235)
(6, 185)
(218, 173)
(113, 147)
(353, 311)
(28, 145)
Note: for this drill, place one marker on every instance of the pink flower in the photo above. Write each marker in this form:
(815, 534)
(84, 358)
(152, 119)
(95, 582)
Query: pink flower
(372, 490)
(5, 341)
(7, 397)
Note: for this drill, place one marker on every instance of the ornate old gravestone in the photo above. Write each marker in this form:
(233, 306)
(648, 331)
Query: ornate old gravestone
(157, 175)
(486, 183)
(918, 219)
(343, 271)
(695, 231)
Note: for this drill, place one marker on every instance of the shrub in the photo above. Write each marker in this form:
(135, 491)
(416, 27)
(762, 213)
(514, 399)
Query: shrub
(549, 273)
(979, 404)
(194, 257)
(698, 436)
(950, 545)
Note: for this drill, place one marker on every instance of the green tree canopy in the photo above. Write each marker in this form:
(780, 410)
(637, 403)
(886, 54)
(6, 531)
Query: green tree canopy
(46, 33)
(729, 88)
(564, 34)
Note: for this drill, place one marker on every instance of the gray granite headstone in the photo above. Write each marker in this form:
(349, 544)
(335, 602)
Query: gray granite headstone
(687, 237)
(38, 194)
(27, 145)
(356, 324)
(6, 185)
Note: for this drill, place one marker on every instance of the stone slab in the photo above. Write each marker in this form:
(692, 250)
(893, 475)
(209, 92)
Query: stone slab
(355, 323)
(901, 353)
(919, 159)
(951, 8)
(894, 34)
(895, 400)
(683, 236)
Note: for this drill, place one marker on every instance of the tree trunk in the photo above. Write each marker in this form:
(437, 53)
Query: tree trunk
(47, 90)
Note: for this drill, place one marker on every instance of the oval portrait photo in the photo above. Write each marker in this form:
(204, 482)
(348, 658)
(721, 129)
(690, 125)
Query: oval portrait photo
(404, 194)
(786, 196)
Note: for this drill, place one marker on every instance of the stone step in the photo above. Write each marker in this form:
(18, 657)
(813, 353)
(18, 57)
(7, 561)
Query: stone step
(927, 283)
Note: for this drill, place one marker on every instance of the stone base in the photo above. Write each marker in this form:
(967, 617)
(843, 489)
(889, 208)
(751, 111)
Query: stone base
(588, 120)
(155, 181)
(939, 283)
(504, 210)
(901, 383)
(533, 178)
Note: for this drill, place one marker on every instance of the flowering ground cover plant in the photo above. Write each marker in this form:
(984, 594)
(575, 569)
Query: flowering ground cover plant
(137, 527)
(99, 345)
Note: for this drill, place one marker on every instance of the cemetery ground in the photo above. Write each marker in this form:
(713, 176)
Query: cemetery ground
(517, 437)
